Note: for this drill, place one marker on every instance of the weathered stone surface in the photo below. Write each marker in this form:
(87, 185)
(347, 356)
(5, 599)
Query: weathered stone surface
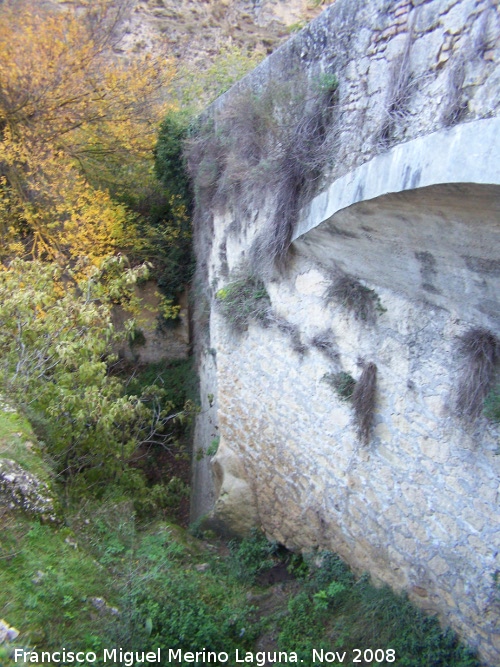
(415, 219)
(7, 632)
(20, 490)
(236, 504)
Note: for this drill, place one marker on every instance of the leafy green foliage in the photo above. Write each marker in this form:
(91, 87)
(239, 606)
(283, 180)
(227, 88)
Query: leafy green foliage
(252, 555)
(243, 300)
(337, 612)
(169, 225)
(492, 404)
(343, 383)
(54, 344)
(169, 162)
(177, 378)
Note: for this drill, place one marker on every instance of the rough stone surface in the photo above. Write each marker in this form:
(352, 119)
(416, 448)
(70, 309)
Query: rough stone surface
(20, 490)
(7, 632)
(410, 209)
(193, 31)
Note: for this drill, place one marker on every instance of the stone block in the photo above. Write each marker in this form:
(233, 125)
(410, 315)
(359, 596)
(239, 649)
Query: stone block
(427, 17)
(436, 450)
(459, 17)
(438, 566)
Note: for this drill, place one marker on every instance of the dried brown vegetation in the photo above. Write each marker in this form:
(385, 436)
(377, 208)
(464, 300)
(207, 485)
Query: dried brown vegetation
(361, 301)
(363, 401)
(324, 341)
(480, 353)
(265, 148)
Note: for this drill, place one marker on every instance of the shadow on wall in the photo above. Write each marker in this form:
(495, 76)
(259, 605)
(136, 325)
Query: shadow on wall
(152, 338)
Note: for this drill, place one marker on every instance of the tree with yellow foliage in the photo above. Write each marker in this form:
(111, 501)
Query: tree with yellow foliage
(77, 126)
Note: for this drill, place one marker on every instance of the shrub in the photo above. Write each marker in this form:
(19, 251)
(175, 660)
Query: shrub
(480, 352)
(333, 603)
(169, 164)
(343, 383)
(243, 300)
(363, 401)
(252, 555)
(361, 301)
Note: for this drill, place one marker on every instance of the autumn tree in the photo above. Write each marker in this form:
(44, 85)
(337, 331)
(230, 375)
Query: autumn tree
(77, 128)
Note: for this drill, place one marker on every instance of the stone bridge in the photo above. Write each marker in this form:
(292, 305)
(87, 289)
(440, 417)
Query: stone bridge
(406, 214)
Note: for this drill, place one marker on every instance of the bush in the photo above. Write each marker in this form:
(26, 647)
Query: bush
(343, 383)
(252, 555)
(55, 342)
(170, 168)
(243, 300)
(335, 611)
(361, 301)
(164, 208)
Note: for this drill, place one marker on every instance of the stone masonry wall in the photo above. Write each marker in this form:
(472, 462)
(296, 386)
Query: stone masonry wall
(417, 506)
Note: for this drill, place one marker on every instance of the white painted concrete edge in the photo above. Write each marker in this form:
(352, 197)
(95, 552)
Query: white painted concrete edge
(466, 153)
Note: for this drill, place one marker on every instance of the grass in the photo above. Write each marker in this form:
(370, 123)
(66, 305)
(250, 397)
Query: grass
(400, 89)
(358, 299)
(265, 147)
(479, 350)
(111, 580)
(454, 106)
(242, 301)
(18, 443)
(363, 401)
(290, 330)
(324, 341)
(47, 584)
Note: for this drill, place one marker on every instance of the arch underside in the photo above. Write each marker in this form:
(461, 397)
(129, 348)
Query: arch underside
(434, 237)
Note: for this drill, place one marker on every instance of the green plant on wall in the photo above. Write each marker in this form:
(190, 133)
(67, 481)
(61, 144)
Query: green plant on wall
(360, 394)
(243, 300)
(492, 404)
(343, 383)
(213, 447)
